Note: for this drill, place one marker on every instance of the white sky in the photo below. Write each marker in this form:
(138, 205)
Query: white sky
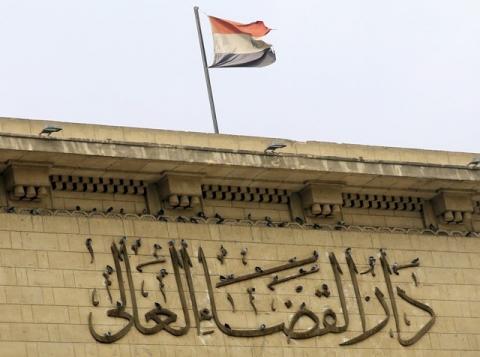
(380, 72)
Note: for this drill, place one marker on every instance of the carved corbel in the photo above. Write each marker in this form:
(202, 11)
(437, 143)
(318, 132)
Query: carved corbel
(180, 190)
(322, 200)
(450, 207)
(27, 181)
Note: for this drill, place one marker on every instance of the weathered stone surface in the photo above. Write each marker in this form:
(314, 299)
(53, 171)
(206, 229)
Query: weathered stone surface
(254, 206)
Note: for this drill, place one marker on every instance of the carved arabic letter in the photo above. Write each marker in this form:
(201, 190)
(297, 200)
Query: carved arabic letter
(230, 300)
(177, 264)
(95, 301)
(386, 273)
(404, 296)
(176, 259)
(136, 320)
(187, 263)
(118, 269)
(353, 275)
(144, 293)
(424, 329)
(311, 332)
(375, 329)
(251, 299)
(187, 257)
(329, 322)
(338, 281)
(225, 328)
(330, 326)
(107, 283)
(152, 262)
(160, 277)
(156, 314)
(117, 312)
(262, 272)
(397, 267)
(415, 279)
(109, 337)
(272, 305)
(302, 272)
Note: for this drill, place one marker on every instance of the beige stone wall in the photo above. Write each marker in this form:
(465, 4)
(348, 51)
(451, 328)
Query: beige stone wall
(383, 218)
(46, 280)
(99, 201)
(277, 212)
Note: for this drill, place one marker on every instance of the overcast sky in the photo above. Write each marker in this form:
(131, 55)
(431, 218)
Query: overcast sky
(380, 72)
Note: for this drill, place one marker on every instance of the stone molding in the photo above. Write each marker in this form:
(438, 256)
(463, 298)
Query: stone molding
(141, 157)
(317, 200)
(382, 202)
(323, 201)
(245, 194)
(243, 222)
(121, 186)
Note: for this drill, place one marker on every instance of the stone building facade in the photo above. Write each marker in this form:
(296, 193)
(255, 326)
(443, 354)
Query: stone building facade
(136, 242)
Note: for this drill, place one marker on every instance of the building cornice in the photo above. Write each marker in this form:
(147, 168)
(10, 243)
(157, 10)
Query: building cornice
(147, 158)
(319, 184)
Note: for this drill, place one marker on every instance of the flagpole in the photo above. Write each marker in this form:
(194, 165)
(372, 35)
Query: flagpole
(205, 69)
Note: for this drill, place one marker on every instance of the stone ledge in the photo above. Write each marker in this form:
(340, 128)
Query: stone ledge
(148, 158)
(218, 142)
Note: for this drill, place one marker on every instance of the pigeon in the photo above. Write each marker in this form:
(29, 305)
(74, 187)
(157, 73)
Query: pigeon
(299, 220)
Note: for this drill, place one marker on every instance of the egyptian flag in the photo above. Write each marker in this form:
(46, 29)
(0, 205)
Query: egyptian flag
(239, 45)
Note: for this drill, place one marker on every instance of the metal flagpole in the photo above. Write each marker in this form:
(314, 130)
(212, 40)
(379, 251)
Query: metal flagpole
(205, 69)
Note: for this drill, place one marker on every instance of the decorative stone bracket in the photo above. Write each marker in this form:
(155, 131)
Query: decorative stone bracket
(27, 181)
(322, 200)
(180, 190)
(453, 207)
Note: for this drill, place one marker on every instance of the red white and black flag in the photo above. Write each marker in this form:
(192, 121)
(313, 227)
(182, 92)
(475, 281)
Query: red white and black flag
(240, 45)
(235, 45)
